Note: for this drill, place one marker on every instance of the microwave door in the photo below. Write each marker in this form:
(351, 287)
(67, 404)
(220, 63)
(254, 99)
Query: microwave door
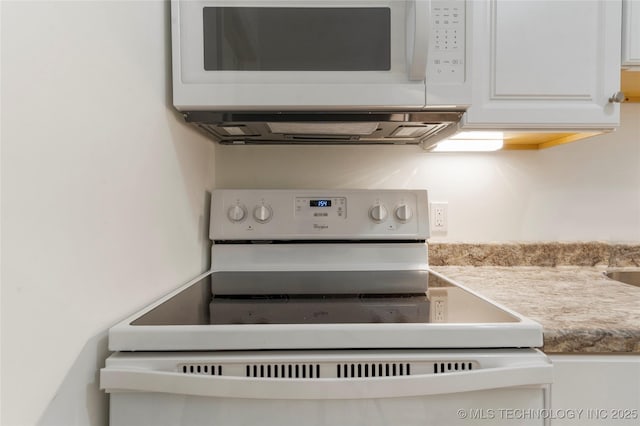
(302, 54)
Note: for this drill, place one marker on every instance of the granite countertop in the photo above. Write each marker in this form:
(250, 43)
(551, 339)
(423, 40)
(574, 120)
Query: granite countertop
(581, 310)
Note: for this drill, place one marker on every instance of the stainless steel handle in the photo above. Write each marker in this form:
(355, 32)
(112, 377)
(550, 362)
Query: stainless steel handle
(128, 380)
(417, 38)
(617, 98)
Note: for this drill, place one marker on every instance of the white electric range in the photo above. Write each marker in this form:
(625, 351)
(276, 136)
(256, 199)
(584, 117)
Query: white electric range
(320, 308)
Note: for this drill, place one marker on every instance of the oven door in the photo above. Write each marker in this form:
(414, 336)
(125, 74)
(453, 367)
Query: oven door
(372, 388)
(259, 55)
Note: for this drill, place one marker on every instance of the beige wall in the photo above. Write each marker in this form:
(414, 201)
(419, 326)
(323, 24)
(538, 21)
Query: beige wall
(104, 194)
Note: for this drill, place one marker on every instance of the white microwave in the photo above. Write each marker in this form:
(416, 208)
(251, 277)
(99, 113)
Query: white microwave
(310, 54)
(338, 57)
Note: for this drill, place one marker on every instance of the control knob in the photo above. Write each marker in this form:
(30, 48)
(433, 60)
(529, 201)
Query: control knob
(403, 213)
(262, 213)
(237, 213)
(378, 213)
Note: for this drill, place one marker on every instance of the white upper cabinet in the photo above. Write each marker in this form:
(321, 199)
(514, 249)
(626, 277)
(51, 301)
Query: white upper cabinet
(545, 64)
(631, 34)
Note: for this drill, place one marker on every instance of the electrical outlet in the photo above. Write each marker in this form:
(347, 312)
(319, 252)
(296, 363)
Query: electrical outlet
(439, 217)
(438, 298)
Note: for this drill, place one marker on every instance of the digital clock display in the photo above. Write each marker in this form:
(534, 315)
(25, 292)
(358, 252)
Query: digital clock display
(319, 203)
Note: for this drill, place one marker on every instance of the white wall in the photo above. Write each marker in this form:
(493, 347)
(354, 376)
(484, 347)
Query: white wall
(104, 195)
(588, 190)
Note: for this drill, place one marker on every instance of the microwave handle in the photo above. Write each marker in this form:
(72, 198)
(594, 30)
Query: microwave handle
(418, 14)
(130, 380)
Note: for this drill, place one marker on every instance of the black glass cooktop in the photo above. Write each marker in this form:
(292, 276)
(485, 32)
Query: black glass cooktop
(350, 297)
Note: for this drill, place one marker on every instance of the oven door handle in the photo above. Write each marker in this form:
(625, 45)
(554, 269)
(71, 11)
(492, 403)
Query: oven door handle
(417, 38)
(115, 380)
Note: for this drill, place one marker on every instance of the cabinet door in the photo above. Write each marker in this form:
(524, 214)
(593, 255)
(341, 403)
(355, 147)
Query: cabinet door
(596, 390)
(631, 34)
(545, 64)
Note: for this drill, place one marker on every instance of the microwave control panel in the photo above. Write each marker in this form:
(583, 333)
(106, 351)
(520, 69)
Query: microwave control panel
(446, 59)
(317, 214)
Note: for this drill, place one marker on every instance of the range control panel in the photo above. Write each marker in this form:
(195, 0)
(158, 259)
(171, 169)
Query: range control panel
(319, 214)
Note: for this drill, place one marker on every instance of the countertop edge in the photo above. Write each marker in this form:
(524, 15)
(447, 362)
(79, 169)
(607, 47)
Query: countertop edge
(581, 311)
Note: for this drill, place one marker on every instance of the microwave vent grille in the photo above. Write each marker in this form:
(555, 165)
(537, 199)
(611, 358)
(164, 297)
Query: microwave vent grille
(254, 128)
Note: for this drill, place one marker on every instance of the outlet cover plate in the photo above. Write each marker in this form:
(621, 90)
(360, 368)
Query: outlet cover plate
(439, 215)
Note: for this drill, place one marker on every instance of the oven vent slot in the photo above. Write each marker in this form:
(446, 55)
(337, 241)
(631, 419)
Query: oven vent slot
(203, 369)
(283, 371)
(314, 369)
(451, 366)
(373, 370)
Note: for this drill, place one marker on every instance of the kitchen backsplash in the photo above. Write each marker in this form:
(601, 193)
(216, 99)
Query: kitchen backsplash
(534, 254)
